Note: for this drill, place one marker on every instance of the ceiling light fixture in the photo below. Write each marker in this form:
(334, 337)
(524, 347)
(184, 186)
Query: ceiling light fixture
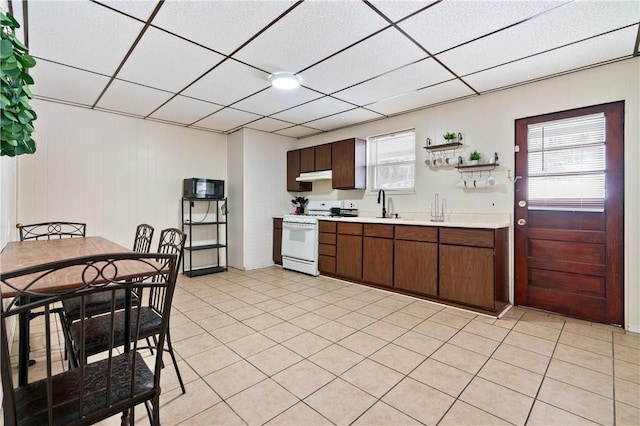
(285, 80)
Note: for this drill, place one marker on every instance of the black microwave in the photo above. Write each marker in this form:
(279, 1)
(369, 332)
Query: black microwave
(208, 189)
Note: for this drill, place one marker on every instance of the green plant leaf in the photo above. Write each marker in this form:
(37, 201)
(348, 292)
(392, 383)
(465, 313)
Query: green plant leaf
(10, 115)
(27, 61)
(26, 78)
(6, 49)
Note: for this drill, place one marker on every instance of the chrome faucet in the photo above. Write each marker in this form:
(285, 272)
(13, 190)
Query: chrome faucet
(384, 210)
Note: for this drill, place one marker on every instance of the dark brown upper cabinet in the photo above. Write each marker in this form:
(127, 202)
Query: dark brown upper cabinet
(308, 160)
(293, 171)
(323, 157)
(349, 164)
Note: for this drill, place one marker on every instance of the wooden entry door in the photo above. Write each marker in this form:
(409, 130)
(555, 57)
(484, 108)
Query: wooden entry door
(569, 213)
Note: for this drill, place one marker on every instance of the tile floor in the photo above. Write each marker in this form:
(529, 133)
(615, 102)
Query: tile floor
(276, 347)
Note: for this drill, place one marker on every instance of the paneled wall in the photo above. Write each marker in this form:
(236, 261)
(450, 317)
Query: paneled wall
(257, 171)
(110, 171)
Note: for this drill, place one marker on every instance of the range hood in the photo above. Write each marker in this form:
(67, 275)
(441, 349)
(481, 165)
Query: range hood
(314, 176)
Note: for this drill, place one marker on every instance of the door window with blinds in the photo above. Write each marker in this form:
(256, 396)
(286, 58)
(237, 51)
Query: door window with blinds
(566, 164)
(392, 161)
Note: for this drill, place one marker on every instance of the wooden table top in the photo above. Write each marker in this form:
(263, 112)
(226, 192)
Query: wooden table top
(22, 254)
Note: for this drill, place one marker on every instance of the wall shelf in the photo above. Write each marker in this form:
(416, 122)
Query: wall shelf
(443, 146)
(482, 167)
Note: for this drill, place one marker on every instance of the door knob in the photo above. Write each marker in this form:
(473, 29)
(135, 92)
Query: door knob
(522, 203)
(522, 222)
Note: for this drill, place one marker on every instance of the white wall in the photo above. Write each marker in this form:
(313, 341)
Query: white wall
(258, 170)
(7, 199)
(110, 171)
(487, 123)
(235, 189)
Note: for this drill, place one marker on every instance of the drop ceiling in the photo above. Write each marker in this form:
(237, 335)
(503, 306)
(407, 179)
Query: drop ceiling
(205, 64)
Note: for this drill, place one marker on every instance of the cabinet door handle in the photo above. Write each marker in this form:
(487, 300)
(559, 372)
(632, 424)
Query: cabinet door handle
(522, 222)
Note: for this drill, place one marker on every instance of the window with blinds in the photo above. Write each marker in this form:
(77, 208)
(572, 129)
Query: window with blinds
(566, 164)
(392, 161)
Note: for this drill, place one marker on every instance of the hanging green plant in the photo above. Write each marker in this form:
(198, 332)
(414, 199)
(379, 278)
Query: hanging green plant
(17, 115)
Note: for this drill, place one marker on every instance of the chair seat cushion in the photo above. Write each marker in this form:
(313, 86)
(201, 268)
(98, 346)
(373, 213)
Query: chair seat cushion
(95, 304)
(31, 400)
(97, 330)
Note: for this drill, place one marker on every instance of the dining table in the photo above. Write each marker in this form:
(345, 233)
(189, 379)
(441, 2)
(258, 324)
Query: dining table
(22, 254)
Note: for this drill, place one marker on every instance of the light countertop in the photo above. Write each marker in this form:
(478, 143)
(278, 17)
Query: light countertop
(453, 220)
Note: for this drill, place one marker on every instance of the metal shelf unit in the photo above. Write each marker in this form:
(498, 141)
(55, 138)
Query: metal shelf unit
(217, 226)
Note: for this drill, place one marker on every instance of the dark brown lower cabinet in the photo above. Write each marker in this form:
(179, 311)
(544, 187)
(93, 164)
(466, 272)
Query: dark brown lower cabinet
(327, 247)
(416, 267)
(416, 259)
(377, 254)
(349, 251)
(466, 275)
(466, 266)
(473, 267)
(277, 241)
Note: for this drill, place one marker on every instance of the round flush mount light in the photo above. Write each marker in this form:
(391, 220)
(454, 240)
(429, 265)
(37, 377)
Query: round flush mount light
(285, 80)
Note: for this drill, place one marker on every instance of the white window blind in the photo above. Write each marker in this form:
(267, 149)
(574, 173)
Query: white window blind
(392, 161)
(566, 163)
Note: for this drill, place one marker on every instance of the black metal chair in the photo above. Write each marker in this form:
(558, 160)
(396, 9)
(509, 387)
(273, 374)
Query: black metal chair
(97, 336)
(50, 230)
(97, 390)
(100, 303)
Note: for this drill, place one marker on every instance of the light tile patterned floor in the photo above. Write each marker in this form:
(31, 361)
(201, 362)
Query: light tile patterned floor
(276, 347)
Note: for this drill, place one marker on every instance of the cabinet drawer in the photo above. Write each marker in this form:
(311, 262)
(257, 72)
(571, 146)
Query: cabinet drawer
(327, 226)
(327, 250)
(417, 233)
(277, 222)
(326, 238)
(350, 228)
(467, 237)
(381, 231)
(327, 264)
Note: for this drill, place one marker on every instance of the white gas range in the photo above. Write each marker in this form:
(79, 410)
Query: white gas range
(300, 237)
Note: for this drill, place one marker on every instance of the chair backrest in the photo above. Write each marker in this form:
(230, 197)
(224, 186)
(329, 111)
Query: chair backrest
(172, 242)
(99, 389)
(50, 230)
(142, 241)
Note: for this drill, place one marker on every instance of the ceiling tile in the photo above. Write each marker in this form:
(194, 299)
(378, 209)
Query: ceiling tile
(185, 110)
(374, 56)
(356, 115)
(82, 34)
(425, 97)
(611, 46)
(309, 33)
(567, 24)
(273, 100)
(421, 74)
(220, 25)
(228, 83)
(396, 10)
(180, 62)
(138, 9)
(51, 81)
(449, 24)
(268, 124)
(298, 131)
(132, 98)
(314, 109)
(226, 119)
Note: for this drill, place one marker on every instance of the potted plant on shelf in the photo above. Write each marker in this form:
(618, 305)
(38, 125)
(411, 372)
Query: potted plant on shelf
(16, 114)
(449, 137)
(474, 157)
